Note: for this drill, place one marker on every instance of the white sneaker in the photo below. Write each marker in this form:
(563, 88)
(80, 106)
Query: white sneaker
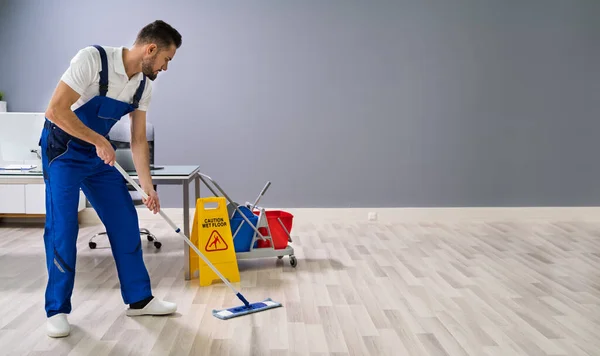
(58, 326)
(155, 307)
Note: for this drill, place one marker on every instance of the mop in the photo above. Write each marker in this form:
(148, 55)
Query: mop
(223, 314)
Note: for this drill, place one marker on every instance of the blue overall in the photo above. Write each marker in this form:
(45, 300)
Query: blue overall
(70, 164)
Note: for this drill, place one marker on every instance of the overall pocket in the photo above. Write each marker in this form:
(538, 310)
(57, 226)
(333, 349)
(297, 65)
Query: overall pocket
(109, 113)
(110, 110)
(57, 143)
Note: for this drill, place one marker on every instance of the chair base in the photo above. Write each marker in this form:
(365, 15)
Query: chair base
(143, 231)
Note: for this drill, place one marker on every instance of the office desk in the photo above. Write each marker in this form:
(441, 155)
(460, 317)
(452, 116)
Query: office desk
(169, 175)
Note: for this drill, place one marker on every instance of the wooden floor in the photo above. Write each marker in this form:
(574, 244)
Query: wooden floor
(502, 288)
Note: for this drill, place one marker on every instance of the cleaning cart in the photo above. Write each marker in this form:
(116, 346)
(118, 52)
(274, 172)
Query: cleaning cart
(257, 232)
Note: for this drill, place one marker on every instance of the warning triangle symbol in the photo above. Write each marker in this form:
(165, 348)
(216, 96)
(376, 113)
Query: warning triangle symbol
(215, 243)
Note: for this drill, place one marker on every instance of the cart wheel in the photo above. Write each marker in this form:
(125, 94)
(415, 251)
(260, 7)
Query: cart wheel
(279, 257)
(293, 261)
(150, 238)
(92, 245)
(157, 244)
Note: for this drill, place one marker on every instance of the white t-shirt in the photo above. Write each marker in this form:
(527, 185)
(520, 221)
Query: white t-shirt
(83, 76)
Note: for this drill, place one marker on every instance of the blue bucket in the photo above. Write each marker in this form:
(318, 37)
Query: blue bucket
(243, 239)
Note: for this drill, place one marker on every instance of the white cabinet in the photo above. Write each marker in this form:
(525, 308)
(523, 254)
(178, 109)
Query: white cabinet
(35, 199)
(12, 199)
(27, 198)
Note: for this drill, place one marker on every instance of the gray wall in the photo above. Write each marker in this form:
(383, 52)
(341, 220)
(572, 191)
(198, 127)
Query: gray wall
(348, 103)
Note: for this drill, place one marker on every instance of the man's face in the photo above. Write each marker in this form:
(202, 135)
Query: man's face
(156, 60)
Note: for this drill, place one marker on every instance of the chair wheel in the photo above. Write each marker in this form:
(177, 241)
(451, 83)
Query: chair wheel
(157, 244)
(92, 245)
(293, 261)
(150, 238)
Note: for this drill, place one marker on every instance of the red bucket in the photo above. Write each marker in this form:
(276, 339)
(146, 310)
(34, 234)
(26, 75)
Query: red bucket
(278, 233)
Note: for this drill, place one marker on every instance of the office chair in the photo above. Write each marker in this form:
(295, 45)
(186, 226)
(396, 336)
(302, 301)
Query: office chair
(120, 136)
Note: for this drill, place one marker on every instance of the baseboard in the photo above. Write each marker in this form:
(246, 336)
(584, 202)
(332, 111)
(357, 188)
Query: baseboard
(36, 219)
(448, 214)
(402, 214)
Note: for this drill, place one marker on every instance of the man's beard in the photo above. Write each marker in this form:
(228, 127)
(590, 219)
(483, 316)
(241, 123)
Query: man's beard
(147, 65)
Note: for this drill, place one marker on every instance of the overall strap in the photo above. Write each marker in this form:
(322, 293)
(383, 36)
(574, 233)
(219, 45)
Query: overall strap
(103, 72)
(138, 93)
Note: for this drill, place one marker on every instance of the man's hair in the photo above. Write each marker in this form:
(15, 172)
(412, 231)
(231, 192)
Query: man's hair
(161, 33)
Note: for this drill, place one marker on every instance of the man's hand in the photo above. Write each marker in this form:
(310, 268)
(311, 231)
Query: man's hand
(105, 151)
(152, 202)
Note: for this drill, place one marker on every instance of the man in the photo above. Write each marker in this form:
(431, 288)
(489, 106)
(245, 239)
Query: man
(101, 85)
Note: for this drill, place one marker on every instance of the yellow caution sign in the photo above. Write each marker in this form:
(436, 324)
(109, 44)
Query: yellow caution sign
(211, 233)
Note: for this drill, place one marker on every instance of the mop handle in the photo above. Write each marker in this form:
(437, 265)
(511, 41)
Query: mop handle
(178, 230)
(260, 195)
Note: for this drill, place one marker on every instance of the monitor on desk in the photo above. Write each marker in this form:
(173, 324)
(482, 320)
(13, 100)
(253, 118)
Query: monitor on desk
(120, 137)
(19, 135)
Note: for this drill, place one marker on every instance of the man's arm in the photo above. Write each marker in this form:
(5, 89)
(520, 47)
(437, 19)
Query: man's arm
(141, 158)
(59, 112)
(82, 71)
(140, 149)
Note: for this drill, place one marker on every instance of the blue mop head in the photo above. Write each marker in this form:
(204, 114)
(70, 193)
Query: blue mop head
(225, 314)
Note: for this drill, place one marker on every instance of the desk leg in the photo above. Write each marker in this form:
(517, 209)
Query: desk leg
(186, 228)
